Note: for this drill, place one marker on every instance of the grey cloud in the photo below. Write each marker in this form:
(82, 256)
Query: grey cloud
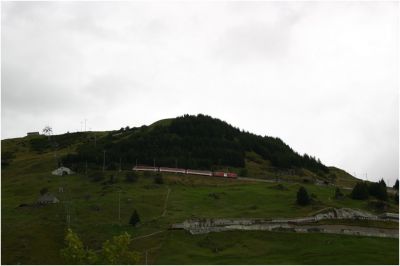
(321, 76)
(253, 42)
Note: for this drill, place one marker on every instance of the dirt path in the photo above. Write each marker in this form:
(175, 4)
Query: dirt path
(256, 179)
(166, 203)
(152, 234)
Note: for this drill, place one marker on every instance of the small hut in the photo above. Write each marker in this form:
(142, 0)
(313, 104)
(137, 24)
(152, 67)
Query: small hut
(62, 171)
(47, 199)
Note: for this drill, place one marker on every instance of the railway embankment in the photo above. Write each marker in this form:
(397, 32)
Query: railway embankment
(300, 225)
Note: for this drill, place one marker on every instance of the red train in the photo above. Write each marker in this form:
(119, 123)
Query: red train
(183, 171)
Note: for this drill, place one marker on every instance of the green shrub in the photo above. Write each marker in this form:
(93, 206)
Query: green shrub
(131, 177)
(338, 194)
(6, 158)
(360, 191)
(378, 205)
(96, 176)
(112, 179)
(147, 174)
(39, 144)
(112, 167)
(243, 172)
(158, 179)
(44, 191)
(378, 190)
(135, 219)
(302, 197)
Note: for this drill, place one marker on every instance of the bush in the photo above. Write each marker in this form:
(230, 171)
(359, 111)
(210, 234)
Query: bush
(338, 194)
(135, 219)
(360, 191)
(44, 191)
(378, 190)
(378, 205)
(243, 172)
(112, 167)
(75, 252)
(114, 252)
(302, 197)
(131, 177)
(147, 174)
(158, 179)
(112, 179)
(96, 176)
(280, 187)
(118, 251)
(6, 158)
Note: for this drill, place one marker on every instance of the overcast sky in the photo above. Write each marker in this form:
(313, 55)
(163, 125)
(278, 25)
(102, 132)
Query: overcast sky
(321, 76)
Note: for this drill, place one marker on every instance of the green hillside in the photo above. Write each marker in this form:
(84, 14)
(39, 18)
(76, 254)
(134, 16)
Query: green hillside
(198, 142)
(34, 234)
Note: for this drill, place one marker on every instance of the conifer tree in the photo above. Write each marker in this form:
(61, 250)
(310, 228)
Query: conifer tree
(135, 219)
(302, 197)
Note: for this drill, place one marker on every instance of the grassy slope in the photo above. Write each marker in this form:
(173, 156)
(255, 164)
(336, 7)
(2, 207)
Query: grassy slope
(343, 178)
(275, 248)
(35, 235)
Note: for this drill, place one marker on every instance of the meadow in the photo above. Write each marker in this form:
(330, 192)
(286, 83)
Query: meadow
(35, 234)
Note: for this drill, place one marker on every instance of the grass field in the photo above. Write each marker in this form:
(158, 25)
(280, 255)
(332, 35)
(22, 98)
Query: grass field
(275, 248)
(34, 235)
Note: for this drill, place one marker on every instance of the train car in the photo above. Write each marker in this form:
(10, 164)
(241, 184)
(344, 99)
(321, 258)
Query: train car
(145, 168)
(172, 170)
(198, 172)
(221, 174)
(232, 175)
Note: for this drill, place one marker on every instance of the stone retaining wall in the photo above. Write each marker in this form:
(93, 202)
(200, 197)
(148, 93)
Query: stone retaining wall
(202, 226)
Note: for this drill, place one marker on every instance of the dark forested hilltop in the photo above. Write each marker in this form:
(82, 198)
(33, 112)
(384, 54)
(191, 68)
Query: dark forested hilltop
(200, 142)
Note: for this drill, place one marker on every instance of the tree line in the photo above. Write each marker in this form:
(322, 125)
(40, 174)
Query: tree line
(199, 142)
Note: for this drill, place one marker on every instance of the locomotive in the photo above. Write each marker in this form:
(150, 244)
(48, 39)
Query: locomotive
(184, 171)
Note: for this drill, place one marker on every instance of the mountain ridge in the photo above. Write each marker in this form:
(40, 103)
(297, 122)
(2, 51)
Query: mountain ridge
(189, 141)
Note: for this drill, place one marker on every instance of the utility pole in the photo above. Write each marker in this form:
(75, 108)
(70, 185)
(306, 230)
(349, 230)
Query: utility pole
(119, 207)
(104, 159)
(120, 168)
(146, 257)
